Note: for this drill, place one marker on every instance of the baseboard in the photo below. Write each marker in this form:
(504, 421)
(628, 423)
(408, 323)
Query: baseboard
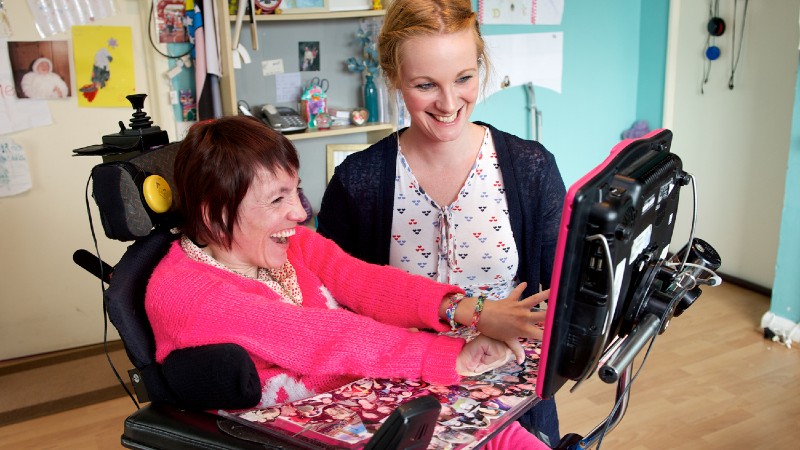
(62, 404)
(749, 285)
(780, 329)
(31, 362)
(40, 385)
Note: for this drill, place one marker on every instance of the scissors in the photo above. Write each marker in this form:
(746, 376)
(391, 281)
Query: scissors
(321, 82)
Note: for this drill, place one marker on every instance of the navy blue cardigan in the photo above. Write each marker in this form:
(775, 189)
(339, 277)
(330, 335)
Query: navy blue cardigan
(356, 209)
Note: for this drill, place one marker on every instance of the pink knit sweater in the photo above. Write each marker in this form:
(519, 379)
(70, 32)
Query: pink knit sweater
(302, 351)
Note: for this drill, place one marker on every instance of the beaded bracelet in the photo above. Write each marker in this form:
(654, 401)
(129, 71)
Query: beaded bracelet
(477, 315)
(450, 312)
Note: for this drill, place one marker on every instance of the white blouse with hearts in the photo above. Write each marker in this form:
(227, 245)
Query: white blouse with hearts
(468, 243)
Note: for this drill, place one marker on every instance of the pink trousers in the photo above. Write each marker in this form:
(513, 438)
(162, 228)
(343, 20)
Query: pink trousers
(515, 437)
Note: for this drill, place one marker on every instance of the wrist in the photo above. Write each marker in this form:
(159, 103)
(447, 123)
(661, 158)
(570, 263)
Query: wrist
(450, 311)
(469, 311)
(476, 315)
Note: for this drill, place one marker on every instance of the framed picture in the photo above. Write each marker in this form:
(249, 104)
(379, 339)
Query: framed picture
(338, 152)
(303, 6)
(308, 56)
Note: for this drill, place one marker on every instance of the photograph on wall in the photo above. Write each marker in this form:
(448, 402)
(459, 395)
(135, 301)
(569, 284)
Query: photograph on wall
(170, 21)
(308, 53)
(40, 69)
(103, 65)
(15, 114)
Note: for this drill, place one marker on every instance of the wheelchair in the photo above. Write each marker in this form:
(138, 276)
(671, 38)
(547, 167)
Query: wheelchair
(182, 391)
(131, 192)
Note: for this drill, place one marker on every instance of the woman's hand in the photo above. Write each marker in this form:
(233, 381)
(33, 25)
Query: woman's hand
(510, 318)
(483, 354)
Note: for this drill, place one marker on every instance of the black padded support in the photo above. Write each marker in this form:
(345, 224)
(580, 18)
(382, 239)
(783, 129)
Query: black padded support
(125, 302)
(162, 426)
(218, 376)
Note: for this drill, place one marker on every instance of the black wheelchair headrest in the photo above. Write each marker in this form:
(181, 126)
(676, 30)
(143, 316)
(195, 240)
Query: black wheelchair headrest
(134, 195)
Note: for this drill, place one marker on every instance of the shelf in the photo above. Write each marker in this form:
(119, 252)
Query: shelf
(379, 129)
(317, 16)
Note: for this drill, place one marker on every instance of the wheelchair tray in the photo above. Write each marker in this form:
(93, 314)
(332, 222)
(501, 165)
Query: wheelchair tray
(472, 411)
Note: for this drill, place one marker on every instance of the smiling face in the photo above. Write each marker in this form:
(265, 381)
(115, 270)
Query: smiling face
(438, 78)
(268, 215)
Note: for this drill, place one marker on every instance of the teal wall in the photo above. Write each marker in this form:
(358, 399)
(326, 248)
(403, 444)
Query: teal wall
(613, 74)
(786, 287)
(654, 27)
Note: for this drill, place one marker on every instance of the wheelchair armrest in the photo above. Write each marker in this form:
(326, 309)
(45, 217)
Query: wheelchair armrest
(216, 376)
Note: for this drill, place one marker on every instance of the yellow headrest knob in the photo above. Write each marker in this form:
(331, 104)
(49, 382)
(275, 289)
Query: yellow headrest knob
(157, 193)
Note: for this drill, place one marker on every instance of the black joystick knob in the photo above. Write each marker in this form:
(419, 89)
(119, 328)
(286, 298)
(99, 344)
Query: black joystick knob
(140, 119)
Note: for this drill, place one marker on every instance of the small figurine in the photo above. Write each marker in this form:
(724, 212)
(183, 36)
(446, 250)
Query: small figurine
(188, 105)
(359, 116)
(313, 102)
(376, 4)
(323, 121)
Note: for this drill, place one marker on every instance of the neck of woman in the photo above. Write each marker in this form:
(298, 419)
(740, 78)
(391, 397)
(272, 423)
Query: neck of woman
(442, 155)
(223, 257)
(441, 168)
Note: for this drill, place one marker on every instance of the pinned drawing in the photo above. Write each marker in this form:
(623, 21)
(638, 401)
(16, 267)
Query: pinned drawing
(103, 65)
(15, 177)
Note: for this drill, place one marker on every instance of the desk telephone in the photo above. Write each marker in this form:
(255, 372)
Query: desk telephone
(280, 118)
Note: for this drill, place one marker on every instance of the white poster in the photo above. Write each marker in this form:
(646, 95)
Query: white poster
(526, 12)
(519, 59)
(15, 177)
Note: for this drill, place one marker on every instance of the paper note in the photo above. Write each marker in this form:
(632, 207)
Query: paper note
(288, 87)
(271, 67)
(15, 177)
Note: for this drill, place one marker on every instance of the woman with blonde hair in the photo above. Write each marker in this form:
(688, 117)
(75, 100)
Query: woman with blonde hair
(457, 201)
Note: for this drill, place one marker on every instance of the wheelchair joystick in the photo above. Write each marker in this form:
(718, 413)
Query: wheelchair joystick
(140, 119)
(142, 136)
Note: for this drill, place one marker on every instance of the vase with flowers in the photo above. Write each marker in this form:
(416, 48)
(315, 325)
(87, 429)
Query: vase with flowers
(367, 66)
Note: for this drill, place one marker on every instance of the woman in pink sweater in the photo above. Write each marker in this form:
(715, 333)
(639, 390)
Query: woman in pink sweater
(311, 317)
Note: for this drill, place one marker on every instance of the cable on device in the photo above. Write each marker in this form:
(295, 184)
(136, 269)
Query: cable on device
(103, 268)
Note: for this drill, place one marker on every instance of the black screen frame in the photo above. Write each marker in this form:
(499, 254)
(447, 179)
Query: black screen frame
(630, 202)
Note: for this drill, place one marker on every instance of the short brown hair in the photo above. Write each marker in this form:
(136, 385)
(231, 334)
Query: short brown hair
(407, 19)
(216, 164)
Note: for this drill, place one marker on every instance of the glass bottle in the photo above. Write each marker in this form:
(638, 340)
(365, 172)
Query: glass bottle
(371, 99)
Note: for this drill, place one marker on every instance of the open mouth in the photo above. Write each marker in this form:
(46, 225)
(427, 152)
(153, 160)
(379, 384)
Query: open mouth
(446, 119)
(282, 237)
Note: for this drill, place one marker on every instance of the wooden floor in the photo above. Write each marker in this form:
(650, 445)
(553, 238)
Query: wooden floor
(711, 382)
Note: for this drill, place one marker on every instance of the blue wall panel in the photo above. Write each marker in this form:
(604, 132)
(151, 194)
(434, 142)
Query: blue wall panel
(786, 288)
(601, 93)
